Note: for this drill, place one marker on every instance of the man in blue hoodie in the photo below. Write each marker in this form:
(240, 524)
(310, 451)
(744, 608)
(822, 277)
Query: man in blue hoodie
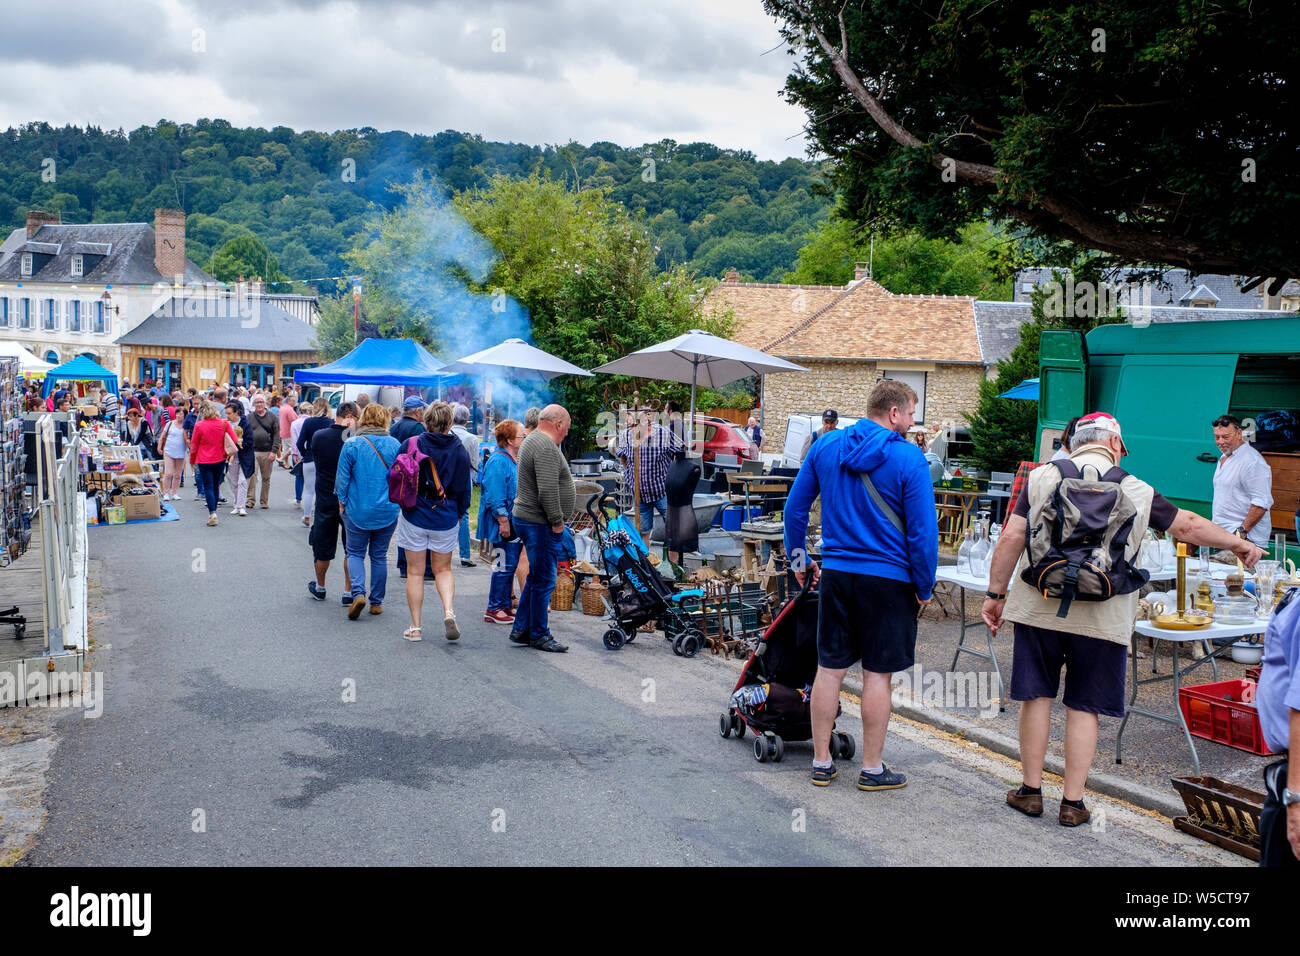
(880, 548)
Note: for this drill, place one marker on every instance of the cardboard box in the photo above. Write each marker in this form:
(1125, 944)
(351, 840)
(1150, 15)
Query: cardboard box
(141, 507)
(115, 514)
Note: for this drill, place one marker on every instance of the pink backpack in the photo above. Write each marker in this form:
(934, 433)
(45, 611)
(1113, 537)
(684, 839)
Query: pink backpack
(404, 476)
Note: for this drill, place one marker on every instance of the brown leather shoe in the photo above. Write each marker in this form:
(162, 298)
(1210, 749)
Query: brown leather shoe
(1072, 816)
(1030, 804)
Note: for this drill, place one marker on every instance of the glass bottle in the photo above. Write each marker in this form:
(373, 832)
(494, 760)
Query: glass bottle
(979, 551)
(963, 555)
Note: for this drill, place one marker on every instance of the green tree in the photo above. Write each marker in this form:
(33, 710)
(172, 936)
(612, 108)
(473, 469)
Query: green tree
(247, 256)
(1003, 430)
(1154, 131)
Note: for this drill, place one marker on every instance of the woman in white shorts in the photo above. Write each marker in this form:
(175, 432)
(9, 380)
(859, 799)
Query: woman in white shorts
(433, 525)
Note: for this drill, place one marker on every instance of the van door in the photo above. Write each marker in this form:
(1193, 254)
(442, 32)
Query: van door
(1062, 385)
(797, 428)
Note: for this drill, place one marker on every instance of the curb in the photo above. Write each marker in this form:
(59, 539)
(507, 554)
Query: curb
(1098, 782)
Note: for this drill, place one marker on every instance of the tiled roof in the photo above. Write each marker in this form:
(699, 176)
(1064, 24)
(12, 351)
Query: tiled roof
(131, 261)
(260, 326)
(1180, 291)
(861, 321)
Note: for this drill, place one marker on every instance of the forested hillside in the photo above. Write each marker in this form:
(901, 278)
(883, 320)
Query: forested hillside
(307, 195)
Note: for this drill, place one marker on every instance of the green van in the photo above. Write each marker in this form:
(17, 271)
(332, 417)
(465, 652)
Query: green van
(1166, 383)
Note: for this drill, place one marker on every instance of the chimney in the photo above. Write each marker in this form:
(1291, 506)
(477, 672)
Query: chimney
(169, 242)
(36, 219)
(731, 276)
(861, 270)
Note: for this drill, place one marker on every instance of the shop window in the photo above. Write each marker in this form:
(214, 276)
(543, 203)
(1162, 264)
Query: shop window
(249, 374)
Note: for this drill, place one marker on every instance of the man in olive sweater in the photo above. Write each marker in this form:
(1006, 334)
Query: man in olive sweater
(543, 502)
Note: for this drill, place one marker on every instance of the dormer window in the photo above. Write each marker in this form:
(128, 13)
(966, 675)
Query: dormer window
(27, 264)
(76, 265)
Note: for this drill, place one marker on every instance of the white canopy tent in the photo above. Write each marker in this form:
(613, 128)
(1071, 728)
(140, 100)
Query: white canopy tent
(28, 363)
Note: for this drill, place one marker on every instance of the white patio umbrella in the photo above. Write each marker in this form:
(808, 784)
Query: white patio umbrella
(700, 358)
(518, 358)
(28, 363)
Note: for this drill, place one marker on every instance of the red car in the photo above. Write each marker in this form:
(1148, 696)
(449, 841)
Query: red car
(722, 437)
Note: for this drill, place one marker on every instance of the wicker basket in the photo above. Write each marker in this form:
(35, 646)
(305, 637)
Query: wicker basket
(562, 596)
(592, 592)
(647, 627)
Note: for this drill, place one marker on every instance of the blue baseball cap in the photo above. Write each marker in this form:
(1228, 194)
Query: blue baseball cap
(414, 401)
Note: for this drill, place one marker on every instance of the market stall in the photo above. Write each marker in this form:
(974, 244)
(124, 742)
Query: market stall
(82, 372)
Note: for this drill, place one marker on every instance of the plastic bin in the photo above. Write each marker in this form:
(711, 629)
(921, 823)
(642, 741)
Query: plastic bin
(1216, 712)
(733, 517)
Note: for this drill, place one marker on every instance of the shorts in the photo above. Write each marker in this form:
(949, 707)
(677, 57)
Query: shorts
(411, 537)
(1094, 669)
(867, 618)
(326, 528)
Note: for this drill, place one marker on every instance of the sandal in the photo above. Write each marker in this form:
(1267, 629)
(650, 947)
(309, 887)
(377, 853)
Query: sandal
(413, 634)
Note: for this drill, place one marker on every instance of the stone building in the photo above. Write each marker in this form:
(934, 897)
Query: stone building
(850, 337)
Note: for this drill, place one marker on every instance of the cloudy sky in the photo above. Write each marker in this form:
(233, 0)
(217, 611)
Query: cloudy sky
(532, 71)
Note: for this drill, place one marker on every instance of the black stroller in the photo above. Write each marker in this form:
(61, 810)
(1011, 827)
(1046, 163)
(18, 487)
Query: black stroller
(637, 592)
(773, 695)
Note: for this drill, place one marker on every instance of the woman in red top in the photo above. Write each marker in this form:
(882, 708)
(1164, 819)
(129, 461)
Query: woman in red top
(208, 453)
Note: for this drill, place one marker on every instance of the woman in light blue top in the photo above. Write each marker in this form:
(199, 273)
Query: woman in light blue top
(496, 517)
(369, 518)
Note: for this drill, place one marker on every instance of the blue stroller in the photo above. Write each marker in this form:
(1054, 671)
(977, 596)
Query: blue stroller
(637, 592)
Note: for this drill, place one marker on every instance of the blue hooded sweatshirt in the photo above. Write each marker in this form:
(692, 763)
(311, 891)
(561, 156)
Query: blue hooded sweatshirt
(856, 536)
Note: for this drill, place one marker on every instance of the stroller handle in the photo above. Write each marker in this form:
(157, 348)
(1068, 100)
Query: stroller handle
(596, 505)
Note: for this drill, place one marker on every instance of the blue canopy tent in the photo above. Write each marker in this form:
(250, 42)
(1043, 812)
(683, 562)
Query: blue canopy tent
(378, 362)
(80, 369)
(1028, 390)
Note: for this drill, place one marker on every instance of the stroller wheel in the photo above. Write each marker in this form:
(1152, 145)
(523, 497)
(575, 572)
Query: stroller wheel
(691, 641)
(630, 636)
(724, 725)
(614, 639)
(778, 748)
(737, 727)
(837, 749)
(677, 645)
(762, 749)
(847, 746)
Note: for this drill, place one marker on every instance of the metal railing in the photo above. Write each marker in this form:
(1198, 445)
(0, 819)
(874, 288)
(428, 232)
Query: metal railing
(56, 493)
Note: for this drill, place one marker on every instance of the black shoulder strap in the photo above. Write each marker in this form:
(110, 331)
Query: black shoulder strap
(899, 524)
(1067, 468)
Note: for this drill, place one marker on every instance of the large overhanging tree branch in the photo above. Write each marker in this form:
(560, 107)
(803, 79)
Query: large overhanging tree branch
(1081, 118)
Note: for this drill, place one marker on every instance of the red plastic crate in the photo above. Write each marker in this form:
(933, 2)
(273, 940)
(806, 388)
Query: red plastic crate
(1215, 712)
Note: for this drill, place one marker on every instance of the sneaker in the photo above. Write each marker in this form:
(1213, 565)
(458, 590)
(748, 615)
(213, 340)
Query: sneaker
(1030, 804)
(346, 600)
(356, 606)
(498, 617)
(885, 780)
(466, 563)
(212, 520)
(306, 523)
(449, 624)
(550, 644)
(264, 506)
(234, 511)
(376, 609)
(222, 501)
(243, 513)
(822, 776)
(519, 637)
(316, 590)
(198, 497)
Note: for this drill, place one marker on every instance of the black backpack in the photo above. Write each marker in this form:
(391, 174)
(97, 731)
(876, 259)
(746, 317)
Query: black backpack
(1077, 538)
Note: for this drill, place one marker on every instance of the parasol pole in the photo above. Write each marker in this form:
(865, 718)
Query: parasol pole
(690, 430)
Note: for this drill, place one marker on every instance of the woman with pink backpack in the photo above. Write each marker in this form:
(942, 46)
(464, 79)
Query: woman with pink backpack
(430, 481)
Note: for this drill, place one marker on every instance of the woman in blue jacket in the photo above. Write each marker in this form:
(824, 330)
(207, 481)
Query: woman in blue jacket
(361, 485)
(497, 515)
(433, 525)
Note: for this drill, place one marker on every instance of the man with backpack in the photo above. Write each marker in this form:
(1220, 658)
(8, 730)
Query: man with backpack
(880, 547)
(327, 521)
(1078, 527)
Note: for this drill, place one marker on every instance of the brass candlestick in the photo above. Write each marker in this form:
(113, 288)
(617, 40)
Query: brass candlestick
(1182, 621)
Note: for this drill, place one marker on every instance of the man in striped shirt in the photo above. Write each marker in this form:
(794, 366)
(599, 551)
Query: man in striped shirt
(658, 449)
(107, 405)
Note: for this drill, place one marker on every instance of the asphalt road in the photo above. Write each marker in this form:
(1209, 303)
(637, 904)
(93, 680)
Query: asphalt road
(224, 705)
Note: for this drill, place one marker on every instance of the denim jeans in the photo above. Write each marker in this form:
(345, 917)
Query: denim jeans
(297, 487)
(543, 547)
(213, 474)
(504, 561)
(357, 543)
(464, 536)
(199, 483)
(648, 510)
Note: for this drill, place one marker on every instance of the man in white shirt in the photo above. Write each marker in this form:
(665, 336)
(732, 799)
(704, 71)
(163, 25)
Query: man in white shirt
(1243, 484)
